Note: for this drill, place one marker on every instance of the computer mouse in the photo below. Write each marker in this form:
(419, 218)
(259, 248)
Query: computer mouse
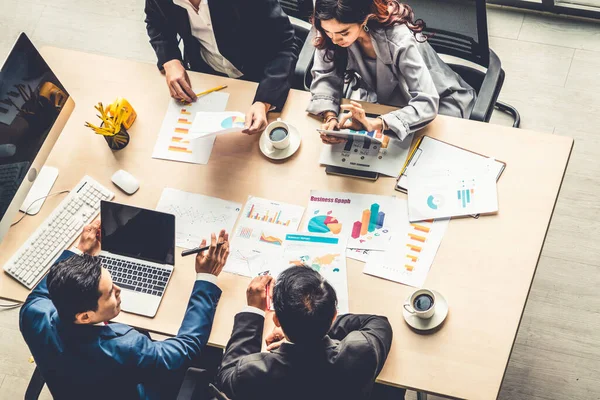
(125, 181)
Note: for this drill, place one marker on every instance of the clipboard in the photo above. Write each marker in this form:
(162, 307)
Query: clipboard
(431, 150)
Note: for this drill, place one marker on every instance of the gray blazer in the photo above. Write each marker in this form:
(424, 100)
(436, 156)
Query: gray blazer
(408, 74)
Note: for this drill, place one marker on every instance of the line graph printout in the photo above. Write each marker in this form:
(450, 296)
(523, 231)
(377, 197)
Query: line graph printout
(197, 216)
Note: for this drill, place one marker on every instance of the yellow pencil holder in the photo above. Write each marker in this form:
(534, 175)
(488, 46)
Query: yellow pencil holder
(122, 104)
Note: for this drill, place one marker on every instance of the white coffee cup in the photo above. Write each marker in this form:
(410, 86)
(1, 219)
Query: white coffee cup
(421, 303)
(278, 134)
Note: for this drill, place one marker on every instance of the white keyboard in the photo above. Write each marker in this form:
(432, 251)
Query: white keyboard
(33, 259)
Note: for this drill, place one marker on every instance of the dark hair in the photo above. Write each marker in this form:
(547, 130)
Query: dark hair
(73, 285)
(375, 13)
(305, 304)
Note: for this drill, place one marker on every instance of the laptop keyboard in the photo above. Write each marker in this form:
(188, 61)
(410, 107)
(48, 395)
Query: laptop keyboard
(137, 277)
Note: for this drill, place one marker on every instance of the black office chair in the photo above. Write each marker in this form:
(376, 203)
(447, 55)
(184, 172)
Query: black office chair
(300, 12)
(196, 386)
(459, 29)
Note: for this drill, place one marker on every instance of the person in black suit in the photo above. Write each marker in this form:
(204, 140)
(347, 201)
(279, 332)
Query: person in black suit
(322, 355)
(253, 40)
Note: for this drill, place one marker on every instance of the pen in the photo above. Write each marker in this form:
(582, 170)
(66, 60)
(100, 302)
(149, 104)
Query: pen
(211, 90)
(197, 250)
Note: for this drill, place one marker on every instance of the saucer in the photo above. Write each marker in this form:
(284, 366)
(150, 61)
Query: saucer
(441, 312)
(275, 154)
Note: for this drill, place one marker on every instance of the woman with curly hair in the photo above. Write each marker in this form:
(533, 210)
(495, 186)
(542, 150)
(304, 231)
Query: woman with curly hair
(378, 45)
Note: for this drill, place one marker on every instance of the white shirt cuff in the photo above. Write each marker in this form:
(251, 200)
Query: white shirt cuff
(254, 310)
(201, 276)
(76, 251)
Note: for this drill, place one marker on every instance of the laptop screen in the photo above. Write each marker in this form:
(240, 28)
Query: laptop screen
(139, 233)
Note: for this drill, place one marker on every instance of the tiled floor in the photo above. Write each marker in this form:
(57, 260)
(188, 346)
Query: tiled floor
(552, 76)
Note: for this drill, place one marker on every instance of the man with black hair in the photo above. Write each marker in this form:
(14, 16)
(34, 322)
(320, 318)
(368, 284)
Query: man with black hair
(81, 356)
(323, 356)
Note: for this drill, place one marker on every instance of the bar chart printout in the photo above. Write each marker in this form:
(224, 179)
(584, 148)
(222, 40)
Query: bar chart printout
(260, 234)
(174, 142)
(410, 254)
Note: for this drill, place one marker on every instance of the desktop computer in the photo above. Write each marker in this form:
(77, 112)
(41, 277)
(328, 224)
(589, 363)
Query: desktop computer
(34, 108)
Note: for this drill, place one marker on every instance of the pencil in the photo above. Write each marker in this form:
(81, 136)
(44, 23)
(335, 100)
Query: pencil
(211, 90)
(197, 250)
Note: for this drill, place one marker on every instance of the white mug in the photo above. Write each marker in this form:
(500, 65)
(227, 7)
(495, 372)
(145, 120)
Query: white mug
(417, 301)
(283, 127)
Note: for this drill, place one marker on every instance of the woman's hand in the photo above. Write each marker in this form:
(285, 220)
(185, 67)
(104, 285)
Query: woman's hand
(330, 124)
(178, 81)
(357, 119)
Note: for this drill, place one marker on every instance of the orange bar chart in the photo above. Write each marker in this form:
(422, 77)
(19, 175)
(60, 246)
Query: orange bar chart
(180, 149)
(183, 131)
(366, 216)
(417, 237)
(414, 248)
(421, 228)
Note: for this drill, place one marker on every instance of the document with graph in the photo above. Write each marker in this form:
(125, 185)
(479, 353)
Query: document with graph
(440, 192)
(260, 232)
(364, 154)
(174, 143)
(410, 253)
(197, 216)
(207, 124)
(367, 220)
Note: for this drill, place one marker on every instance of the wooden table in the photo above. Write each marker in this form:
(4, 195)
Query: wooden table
(484, 267)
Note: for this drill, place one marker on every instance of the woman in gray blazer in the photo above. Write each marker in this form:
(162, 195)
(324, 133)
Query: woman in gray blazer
(378, 43)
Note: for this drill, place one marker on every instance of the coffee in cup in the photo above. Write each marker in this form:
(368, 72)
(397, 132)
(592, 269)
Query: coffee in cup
(421, 303)
(278, 134)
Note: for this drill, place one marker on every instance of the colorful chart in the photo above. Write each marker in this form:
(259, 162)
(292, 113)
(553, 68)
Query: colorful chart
(417, 236)
(274, 218)
(324, 224)
(245, 233)
(270, 239)
(319, 264)
(370, 222)
(233, 122)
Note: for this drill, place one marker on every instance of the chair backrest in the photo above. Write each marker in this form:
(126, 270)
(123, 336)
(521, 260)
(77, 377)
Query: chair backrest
(459, 27)
(301, 9)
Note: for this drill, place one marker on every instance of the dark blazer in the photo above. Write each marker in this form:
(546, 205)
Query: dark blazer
(254, 35)
(343, 365)
(113, 361)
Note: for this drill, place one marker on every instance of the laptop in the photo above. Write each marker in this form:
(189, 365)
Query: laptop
(138, 248)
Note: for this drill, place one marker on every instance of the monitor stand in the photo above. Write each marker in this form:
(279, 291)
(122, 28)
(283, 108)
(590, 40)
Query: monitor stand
(40, 189)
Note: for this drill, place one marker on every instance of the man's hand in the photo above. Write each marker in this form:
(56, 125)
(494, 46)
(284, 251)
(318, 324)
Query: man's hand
(275, 338)
(256, 294)
(213, 260)
(89, 242)
(178, 81)
(256, 118)
(356, 118)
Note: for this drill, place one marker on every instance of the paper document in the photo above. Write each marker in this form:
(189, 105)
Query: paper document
(197, 216)
(209, 124)
(324, 254)
(410, 254)
(375, 136)
(386, 158)
(442, 193)
(173, 141)
(367, 220)
(261, 231)
(432, 152)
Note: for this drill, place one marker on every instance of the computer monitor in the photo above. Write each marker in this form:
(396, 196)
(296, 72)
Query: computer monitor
(34, 108)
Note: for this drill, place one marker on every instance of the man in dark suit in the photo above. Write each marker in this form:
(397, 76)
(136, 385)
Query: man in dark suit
(81, 356)
(253, 40)
(324, 356)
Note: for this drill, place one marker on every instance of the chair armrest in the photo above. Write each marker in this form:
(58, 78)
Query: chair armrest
(490, 88)
(304, 64)
(194, 378)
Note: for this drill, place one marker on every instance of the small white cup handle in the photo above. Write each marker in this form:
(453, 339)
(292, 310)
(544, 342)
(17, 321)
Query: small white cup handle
(408, 308)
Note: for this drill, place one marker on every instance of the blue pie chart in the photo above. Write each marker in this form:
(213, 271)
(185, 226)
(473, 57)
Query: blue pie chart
(434, 201)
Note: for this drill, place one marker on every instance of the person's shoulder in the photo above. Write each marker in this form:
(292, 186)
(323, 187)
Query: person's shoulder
(397, 33)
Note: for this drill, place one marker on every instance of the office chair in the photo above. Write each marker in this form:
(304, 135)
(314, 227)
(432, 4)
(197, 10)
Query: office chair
(196, 386)
(458, 29)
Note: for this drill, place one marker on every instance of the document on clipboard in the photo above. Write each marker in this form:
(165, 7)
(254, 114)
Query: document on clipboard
(430, 151)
